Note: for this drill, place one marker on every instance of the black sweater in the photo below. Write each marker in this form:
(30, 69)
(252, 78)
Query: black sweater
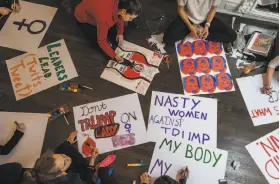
(7, 148)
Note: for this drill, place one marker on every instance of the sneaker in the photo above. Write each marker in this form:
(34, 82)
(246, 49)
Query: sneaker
(228, 49)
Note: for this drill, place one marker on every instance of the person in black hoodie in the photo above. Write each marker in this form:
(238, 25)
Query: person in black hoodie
(65, 165)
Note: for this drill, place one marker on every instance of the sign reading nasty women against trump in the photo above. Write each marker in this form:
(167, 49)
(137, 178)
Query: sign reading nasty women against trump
(110, 124)
(265, 152)
(263, 108)
(31, 73)
(206, 165)
(25, 30)
(188, 117)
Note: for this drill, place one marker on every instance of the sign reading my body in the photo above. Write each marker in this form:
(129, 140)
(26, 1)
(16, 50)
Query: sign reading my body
(30, 62)
(198, 154)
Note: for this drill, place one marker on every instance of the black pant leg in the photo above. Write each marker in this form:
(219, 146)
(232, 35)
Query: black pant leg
(112, 35)
(104, 176)
(10, 173)
(221, 32)
(90, 32)
(176, 31)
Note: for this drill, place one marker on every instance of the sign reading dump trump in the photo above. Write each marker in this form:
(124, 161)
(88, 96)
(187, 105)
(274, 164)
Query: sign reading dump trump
(25, 30)
(188, 117)
(207, 165)
(31, 73)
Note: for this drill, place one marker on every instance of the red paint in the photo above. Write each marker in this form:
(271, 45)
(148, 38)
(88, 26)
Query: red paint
(106, 131)
(277, 110)
(261, 112)
(215, 48)
(187, 66)
(269, 172)
(88, 147)
(200, 47)
(94, 122)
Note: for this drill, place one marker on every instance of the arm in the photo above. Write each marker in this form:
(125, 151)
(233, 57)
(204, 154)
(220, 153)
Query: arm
(184, 16)
(120, 26)
(211, 14)
(102, 32)
(270, 71)
(7, 148)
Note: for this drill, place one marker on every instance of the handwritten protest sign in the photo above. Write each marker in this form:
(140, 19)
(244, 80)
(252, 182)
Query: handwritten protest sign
(206, 165)
(138, 69)
(263, 109)
(25, 30)
(110, 124)
(28, 149)
(188, 117)
(32, 73)
(265, 152)
(203, 67)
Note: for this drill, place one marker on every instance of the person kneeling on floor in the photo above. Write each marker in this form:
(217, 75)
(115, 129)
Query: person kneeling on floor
(101, 21)
(198, 18)
(66, 165)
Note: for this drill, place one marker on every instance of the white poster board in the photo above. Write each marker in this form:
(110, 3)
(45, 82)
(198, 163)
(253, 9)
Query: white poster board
(110, 124)
(206, 165)
(25, 30)
(263, 109)
(188, 117)
(31, 73)
(137, 72)
(203, 76)
(265, 152)
(28, 149)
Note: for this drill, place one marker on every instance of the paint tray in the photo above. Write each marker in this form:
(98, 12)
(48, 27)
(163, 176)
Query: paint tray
(157, 24)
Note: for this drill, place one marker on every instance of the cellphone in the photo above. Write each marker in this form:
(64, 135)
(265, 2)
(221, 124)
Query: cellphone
(223, 182)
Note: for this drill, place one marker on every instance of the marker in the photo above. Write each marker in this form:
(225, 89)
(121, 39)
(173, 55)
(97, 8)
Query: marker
(136, 164)
(134, 182)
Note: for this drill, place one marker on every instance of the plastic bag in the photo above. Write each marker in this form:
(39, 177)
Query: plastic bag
(240, 41)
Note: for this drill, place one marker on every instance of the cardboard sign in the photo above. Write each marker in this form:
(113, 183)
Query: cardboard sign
(138, 69)
(31, 73)
(203, 67)
(263, 109)
(188, 117)
(110, 124)
(25, 30)
(206, 165)
(28, 149)
(265, 152)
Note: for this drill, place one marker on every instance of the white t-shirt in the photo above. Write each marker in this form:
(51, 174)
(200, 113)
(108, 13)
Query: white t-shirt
(198, 9)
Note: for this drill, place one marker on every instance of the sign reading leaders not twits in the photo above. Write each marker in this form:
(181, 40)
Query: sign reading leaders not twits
(31, 73)
(188, 117)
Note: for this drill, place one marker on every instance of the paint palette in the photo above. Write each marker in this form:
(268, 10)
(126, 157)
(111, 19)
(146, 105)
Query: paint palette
(59, 112)
(157, 24)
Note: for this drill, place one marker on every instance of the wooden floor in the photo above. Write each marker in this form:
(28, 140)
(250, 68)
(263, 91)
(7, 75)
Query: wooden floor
(235, 128)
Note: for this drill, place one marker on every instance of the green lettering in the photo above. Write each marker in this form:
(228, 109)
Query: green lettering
(189, 150)
(216, 159)
(195, 153)
(49, 47)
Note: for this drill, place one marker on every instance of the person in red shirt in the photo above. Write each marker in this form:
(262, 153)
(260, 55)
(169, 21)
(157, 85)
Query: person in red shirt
(103, 20)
